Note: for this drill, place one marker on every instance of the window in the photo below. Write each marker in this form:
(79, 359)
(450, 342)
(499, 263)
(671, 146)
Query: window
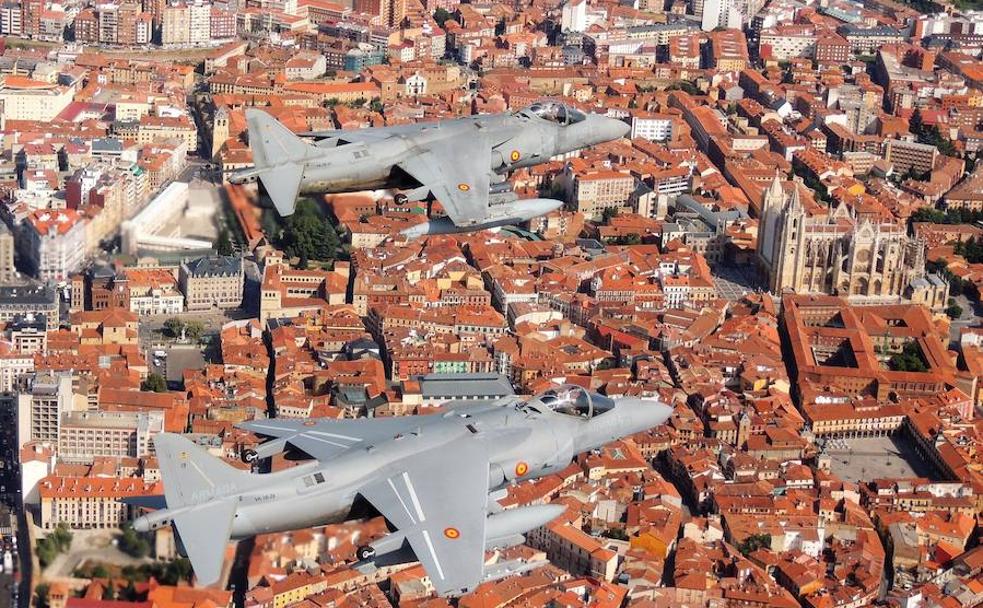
(312, 480)
(571, 401)
(555, 112)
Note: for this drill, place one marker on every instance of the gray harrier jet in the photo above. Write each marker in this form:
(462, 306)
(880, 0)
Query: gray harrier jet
(462, 163)
(436, 479)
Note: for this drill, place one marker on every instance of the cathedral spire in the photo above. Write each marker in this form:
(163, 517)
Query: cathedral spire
(794, 202)
(775, 191)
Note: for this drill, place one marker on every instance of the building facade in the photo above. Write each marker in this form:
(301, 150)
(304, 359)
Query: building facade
(212, 282)
(41, 300)
(832, 251)
(54, 243)
(86, 435)
(89, 502)
(7, 270)
(39, 410)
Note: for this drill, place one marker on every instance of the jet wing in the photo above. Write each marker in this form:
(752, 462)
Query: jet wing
(440, 504)
(369, 134)
(324, 439)
(457, 171)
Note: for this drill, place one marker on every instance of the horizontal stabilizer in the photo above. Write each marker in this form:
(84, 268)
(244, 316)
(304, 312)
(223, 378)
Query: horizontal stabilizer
(282, 184)
(205, 532)
(279, 157)
(145, 502)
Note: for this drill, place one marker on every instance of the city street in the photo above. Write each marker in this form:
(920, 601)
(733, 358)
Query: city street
(14, 589)
(970, 317)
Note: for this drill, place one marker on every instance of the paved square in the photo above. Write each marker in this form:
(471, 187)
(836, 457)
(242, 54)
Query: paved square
(876, 457)
(734, 282)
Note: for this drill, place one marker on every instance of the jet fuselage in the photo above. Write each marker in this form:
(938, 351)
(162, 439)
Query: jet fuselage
(523, 444)
(518, 141)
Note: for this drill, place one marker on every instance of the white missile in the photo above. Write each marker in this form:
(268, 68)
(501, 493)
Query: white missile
(500, 215)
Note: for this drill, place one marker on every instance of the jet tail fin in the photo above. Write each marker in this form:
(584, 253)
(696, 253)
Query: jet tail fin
(279, 156)
(192, 476)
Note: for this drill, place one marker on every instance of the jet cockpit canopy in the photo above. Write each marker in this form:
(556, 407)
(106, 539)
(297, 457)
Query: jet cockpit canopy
(555, 112)
(571, 400)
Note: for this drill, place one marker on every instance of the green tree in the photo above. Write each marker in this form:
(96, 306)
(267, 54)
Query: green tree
(41, 595)
(174, 326)
(604, 364)
(615, 533)
(99, 571)
(61, 537)
(915, 124)
(909, 359)
(57, 542)
(193, 329)
(155, 383)
(441, 15)
(954, 311)
(129, 592)
(223, 244)
(608, 213)
(133, 543)
(308, 233)
(753, 543)
(970, 249)
(270, 225)
(46, 552)
(933, 137)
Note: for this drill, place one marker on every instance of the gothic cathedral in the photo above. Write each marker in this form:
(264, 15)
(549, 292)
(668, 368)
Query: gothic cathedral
(833, 251)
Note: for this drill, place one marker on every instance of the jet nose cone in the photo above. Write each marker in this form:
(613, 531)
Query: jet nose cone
(609, 129)
(604, 129)
(620, 128)
(643, 414)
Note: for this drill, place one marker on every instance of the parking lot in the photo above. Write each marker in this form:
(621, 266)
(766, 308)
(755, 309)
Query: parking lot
(180, 358)
(175, 359)
(876, 457)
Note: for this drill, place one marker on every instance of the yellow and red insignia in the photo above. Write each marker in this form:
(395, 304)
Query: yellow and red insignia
(515, 155)
(452, 533)
(521, 469)
(463, 187)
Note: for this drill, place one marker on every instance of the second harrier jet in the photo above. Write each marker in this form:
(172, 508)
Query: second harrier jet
(462, 163)
(437, 480)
